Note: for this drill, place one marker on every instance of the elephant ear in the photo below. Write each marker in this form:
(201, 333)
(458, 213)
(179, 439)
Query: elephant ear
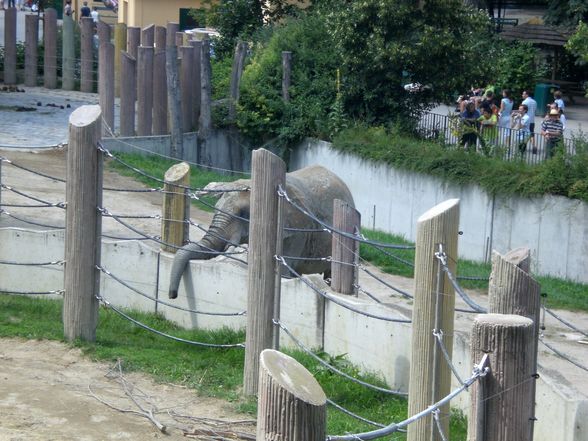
(218, 188)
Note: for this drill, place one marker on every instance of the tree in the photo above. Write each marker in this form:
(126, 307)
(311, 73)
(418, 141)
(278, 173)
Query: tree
(578, 43)
(566, 12)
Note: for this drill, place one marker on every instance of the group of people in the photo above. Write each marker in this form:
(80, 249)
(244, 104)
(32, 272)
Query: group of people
(85, 11)
(484, 119)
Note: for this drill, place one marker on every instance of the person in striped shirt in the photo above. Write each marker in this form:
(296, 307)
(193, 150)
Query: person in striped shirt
(552, 129)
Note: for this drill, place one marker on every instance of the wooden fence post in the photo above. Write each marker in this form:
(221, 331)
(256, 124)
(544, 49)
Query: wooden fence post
(268, 172)
(10, 46)
(174, 103)
(286, 72)
(430, 378)
(292, 406)
(87, 55)
(345, 251)
(69, 54)
(31, 49)
(133, 40)
(120, 46)
(500, 409)
(176, 207)
(50, 52)
(237, 71)
(148, 36)
(205, 121)
(186, 86)
(512, 290)
(159, 93)
(104, 32)
(105, 89)
(83, 225)
(145, 91)
(160, 37)
(196, 81)
(128, 94)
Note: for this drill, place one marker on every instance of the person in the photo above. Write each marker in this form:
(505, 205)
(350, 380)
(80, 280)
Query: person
(488, 129)
(523, 127)
(531, 111)
(11, 4)
(67, 10)
(552, 129)
(488, 102)
(469, 119)
(558, 99)
(506, 105)
(562, 116)
(85, 11)
(95, 16)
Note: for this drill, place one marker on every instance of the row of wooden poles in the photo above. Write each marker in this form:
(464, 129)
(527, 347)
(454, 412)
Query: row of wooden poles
(502, 403)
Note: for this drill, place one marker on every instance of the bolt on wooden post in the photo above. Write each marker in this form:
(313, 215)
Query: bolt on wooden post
(83, 225)
(430, 378)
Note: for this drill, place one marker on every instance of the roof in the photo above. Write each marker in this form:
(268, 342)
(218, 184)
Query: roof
(538, 34)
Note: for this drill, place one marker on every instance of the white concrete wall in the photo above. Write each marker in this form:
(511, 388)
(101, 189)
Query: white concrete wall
(554, 228)
(377, 346)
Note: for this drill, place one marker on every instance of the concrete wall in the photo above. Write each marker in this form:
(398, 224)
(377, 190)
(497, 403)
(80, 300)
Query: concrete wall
(220, 285)
(554, 228)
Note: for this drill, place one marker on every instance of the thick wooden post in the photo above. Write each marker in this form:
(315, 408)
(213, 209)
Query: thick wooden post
(179, 37)
(345, 251)
(128, 95)
(145, 91)
(133, 40)
(31, 49)
(104, 32)
(430, 377)
(268, 172)
(291, 403)
(69, 54)
(205, 121)
(83, 225)
(197, 45)
(237, 71)
(120, 45)
(50, 51)
(500, 409)
(174, 103)
(512, 290)
(187, 88)
(286, 73)
(10, 46)
(159, 93)
(105, 89)
(148, 36)
(176, 207)
(160, 37)
(87, 55)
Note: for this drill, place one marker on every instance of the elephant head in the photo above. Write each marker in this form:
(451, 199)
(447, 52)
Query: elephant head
(229, 226)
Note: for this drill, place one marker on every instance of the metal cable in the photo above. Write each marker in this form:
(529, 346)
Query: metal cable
(161, 302)
(562, 355)
(54, 262)
(333, 368)
(438, 425)
(564, 321)
(439, 336)
(30, 222)
(4, 159)
(442, 257)
(34, 293)
(383, 282)
(393, 256)
(353, 415)
(163, 334)
(33, 198)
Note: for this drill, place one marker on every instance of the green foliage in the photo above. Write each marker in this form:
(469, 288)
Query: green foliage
(578, 43)
(20, 56)
(566, 13)
(517, 67)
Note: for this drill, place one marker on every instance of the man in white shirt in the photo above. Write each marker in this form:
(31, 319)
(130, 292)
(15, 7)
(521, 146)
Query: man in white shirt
(532, 109)
(94, 15)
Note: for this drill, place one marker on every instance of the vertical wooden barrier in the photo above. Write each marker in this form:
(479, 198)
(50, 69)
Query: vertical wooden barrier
(31, 49)
(237, 71)
(69, 54)
(268, 172)
(205, 121)
(430, 377)
(159, 93)
(10, 46)
(512, 290)
(286, 73)
(105, 89)
(148, 36)
(506, 391)
(87, 55)
(292, 406)
(174, 105)
(160, 37)
(50, 51)
(145, 91)
(179, 38)
(176, 207)
(187, 88)
(120, 45)
(128, 95)
(104, 32)
(345, 251)
(197, 45)
(83, 225)
(133, 40)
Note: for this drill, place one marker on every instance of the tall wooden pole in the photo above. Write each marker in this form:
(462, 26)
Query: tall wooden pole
(237, 71)
(345, 251)
(159, 93)
(430, 378)
(105, 89)
(148, 36)
(69, 54)
(160, 38)
(187, 88)
(87, 55)
(104, 32)
(286, 74)
(120, 45)
(133, 40)
(291, 403)
(174, 103)
(196, 80)
(128, 95)
(31, 49)
(205, 121)
(83, 225)
(268, 173)
(500, 409)
(10, 46)
(176, 207)
(145, 91)
(50, 51)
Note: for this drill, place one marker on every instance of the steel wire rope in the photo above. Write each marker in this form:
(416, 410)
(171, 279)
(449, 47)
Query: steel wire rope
(438, 425)
(564, 321)
(53, 262)
(335, 300)
(162, 302)
(30, 222)
(33, 198)
(333, 368)
(479, 371)
(479, 278)
(4, 159)
(353, 415)
(163, 334)
(562, 355)
(34, 293)
(438, 334)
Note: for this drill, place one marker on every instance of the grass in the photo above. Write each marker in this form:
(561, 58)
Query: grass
(211, 372)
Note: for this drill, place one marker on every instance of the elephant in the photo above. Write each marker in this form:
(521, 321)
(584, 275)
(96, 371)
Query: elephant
(314, 188)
